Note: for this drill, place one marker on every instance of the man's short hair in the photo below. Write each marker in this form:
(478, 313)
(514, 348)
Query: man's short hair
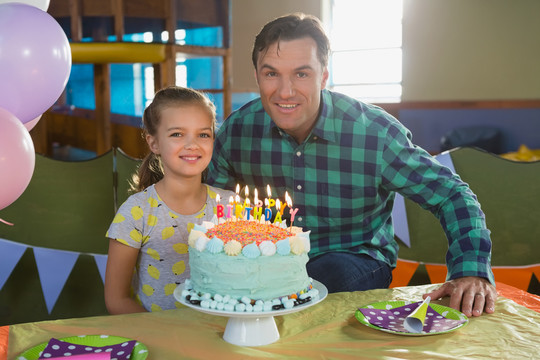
(292, 27)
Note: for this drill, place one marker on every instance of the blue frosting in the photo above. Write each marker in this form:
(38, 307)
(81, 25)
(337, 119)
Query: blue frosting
(251, 251)
(199, 228)
(283, 247)
(215, 245)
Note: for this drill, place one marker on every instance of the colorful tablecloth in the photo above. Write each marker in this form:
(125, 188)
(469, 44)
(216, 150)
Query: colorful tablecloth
(326, 330)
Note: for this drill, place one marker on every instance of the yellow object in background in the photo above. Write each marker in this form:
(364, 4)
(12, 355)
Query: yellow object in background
(523, 154)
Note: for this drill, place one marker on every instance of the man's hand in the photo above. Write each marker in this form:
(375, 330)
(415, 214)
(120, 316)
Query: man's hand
(474, 294)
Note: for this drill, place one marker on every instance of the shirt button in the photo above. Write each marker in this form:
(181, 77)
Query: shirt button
(299, 154)
(300, 219)
(315, 137)
(299, 187)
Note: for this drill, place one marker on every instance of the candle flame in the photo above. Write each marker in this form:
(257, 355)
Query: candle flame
(278, 205)
(288, 199)
(247, 191)
(268, 191)
(256, 197)
(218, 198)
(237, 188)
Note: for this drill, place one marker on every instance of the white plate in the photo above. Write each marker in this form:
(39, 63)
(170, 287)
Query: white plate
(323, 292)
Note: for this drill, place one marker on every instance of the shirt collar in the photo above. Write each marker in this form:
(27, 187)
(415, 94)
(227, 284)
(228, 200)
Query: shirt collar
(325, 128)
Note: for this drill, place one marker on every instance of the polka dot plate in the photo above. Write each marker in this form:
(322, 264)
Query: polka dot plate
(139, 352)
(388, 316)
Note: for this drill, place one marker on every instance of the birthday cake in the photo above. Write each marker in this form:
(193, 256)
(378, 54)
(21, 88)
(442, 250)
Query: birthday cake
(248, 265)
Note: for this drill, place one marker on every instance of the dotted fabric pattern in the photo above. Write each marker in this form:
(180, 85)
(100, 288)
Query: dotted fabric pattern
(393, 318)
(59, 348)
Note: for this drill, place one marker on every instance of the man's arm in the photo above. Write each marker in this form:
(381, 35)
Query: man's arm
(413, 173)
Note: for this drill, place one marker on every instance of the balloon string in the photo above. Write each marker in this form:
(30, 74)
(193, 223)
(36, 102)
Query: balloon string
(5, 222)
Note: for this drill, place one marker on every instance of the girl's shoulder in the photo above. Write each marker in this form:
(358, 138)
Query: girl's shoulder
(223, 194)
(141, 198)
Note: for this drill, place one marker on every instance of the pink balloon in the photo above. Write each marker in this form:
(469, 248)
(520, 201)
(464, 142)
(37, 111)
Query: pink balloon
(17, 158)
(35, 60)
(30, 125)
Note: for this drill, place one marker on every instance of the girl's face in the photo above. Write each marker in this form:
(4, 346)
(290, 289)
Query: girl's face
(184, 139)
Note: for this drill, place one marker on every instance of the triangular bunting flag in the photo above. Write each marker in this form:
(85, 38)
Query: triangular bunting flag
(517, 276)
(10, 254)
(403, 272)
(101, 262)
(436, 273)
(446, 160)
(536, 270)
(399, 218)
(54, 267)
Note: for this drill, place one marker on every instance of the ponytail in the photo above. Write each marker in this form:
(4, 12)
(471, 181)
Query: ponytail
(150, 171)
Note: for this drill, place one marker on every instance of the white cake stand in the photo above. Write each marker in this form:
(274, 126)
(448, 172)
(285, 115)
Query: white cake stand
(253, 328)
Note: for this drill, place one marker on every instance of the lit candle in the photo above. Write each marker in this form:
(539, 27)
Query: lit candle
(258, 202)
(248, 208)
(278, 212)
(230, 206)
(267, 211)
(246, 192)
(291, 210)
(271, 202)
(220, 208)
(257, 206)
(283, 204)
(238, 208)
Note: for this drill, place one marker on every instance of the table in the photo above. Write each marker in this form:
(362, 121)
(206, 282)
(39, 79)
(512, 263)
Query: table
(327, 330)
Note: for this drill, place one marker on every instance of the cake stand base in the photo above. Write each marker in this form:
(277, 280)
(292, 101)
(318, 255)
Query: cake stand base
(251, 331)
(252, 328)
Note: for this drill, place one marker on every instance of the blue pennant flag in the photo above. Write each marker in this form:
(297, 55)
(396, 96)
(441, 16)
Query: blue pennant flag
(399, 218)
(54, 267)
(101, 262)
(10, 254)
(446, 160)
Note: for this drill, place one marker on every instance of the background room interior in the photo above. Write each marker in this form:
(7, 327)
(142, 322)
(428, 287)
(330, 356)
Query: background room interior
(468, 72)
(464, 64)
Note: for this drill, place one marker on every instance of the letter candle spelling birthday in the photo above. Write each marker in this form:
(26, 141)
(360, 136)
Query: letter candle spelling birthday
(230, 207)
(271, 202)
(248, 208)
(291, 210)
(219, 209)
(278, 212)
(267, 211)
(239, 208)
(257, 206)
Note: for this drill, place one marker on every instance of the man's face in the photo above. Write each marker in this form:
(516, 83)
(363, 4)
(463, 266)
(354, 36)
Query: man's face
(290, 79)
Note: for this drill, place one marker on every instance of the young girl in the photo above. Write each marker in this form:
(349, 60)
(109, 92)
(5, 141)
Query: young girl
(148, 251)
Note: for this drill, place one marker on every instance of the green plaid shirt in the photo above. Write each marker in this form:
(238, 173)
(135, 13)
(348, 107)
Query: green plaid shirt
(343, 177)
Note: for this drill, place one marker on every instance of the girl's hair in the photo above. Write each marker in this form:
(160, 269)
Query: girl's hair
(292, 27)
(150, 171)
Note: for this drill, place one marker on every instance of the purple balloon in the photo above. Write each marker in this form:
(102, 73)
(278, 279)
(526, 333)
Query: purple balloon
(17, 158)
(35, 60)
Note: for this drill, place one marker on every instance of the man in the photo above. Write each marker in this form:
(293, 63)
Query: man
(342, 162)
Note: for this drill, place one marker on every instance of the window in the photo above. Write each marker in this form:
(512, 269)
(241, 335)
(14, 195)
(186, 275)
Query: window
(365, 61)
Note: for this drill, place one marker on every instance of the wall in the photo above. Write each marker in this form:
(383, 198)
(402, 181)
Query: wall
(471, 49)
